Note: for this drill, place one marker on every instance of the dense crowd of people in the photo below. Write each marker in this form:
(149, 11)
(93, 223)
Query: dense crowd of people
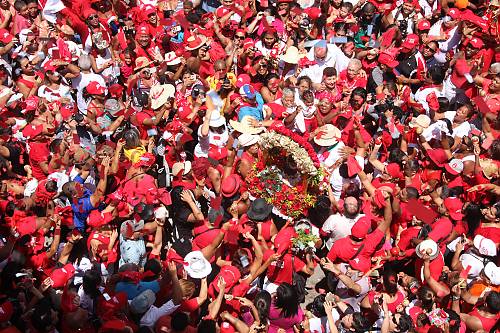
(249, 166)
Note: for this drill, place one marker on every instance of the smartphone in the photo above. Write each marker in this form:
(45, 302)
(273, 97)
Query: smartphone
(152, 132)
(76, 139)
(244, 261)
(338, 40)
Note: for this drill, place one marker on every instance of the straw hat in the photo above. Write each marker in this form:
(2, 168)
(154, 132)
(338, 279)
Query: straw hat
(422, 121)
(291, 55)
(160, 94)
(327, 136)
(244, 126)
(490, 168)
(195, 42)
(141, 62)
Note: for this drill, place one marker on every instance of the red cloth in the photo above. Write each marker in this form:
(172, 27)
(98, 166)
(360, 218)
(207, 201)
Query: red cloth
(343, 249)
(281, 271)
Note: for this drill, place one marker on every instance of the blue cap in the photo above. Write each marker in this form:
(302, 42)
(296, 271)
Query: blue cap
(247, 91)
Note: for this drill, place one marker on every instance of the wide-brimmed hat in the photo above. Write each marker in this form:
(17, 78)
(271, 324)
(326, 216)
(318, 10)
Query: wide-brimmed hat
(171, 59)
(230, 185)
(160, 94)
(327, 136)
(422, 121)
(195, 42)
(141, 62)
(246, 140)
(244, 126)
(216, 120)
(142, 302)
(429, 247)
(185, 167)
(197, 266)
(489, 167)
(259, 210)
(291, 55)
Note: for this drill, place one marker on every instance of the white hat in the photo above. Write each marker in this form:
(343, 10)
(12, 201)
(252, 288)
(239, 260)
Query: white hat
(160, 94)
(247, 140)
(427, 246)
(244, 126)
(485, 246)
(272, 288)
(291, 55)
(171, 59)
(161, 213)
(197, 266)
(216, 120)
(178, 166)
(327, 136)
(492, 272)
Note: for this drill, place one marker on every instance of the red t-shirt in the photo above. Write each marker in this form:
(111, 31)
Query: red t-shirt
(344, 250)
(38, 153)
(281, 271)
(436, 267)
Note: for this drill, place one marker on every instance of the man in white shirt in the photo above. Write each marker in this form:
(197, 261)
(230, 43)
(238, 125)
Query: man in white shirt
(80, 82)
(339, 225)
(325, 55)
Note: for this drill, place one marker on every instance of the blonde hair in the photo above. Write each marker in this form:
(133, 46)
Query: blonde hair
(187, 287)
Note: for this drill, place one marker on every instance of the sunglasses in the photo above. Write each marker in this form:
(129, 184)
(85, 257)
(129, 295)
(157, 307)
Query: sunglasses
(429, 48)
(239, 37)
(93, 16)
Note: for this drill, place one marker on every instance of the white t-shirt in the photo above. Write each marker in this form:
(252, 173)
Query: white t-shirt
(334, 58)
(461, 130)
(151, 316)
(204, 142)
(338, 226)
(81, 82)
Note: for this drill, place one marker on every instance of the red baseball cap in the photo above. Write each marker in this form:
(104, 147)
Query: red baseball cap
(361, 264)
(475, 42)
(394, 170)
(242, 80)
(454, 207)
(231, 276)
(454, 13)
(460, 73)
(31, 131)
(60, 276)
(143, 30)
(95, 88)
(387, 59)
(97, 219)
(424, 25)
(438, 156)
(411, 41)
(5, 36)
(361, 227)
(455, 166)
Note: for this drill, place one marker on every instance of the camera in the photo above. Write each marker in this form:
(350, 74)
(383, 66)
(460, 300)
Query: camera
(305, 24)
(78, 117)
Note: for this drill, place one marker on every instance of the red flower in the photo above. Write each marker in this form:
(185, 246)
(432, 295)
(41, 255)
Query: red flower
(307, 231)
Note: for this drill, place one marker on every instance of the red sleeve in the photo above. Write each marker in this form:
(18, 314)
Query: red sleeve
(440, 230)
(190, 305)
(298, 264)
(332, 254)
(406, 236)
(372, 240)
(141, 116)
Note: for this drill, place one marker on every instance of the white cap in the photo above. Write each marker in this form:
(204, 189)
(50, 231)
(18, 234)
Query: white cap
(485, 246)
(492, 272)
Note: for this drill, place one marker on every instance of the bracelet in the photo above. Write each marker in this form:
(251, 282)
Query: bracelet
(455, 298)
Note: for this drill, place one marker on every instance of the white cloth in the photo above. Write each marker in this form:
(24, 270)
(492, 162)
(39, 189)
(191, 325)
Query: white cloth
(461, 130)
(219, 140)
(421, 96)
(81, 82)
(151, 316)
(476, 263)
(337, 181)
(453, 35)
(338, 226)
(334, 58)
(51, 8)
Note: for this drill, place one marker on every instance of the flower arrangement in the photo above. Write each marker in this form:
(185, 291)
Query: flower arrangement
(292, 144)
(267, 183)
(304, 240)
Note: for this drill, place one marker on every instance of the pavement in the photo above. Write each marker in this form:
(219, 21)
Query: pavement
(311, 284)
